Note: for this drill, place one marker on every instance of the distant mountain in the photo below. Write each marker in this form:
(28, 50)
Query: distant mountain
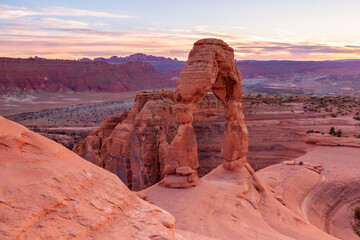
(140, 71)
(251, 69)
(159, 63)
(37, 74)
(301, 77)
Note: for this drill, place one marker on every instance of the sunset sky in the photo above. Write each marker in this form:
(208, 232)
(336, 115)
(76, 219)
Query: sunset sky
(256, 29)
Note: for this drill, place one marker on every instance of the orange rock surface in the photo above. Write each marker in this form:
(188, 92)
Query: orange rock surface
(48, 192)
(210, 67)
(134, 144)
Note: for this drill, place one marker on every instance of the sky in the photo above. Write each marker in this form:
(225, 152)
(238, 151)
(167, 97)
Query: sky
(256, 29)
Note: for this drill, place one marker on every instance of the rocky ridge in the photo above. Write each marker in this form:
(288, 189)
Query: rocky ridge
(26, 75)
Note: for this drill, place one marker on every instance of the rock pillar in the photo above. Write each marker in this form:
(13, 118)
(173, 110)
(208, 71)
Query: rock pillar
(181, 159)
(236, 137)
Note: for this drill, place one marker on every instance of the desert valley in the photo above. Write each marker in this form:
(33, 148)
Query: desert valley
(115, 125)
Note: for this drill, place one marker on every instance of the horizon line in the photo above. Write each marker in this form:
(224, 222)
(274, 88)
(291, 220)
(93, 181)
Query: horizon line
(236, 60)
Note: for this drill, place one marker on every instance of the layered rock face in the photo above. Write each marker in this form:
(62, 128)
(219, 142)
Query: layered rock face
(48, 192)
(210, 66)
(145, 134)
(133, 145)
(43, 75)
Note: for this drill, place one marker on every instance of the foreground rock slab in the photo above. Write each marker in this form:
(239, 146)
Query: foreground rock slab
(227, 205)
(48, 192)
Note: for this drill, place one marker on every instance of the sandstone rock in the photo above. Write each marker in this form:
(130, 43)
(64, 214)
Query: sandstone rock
(162, 150)
(238, 163)
(102, 150)
(183, 148)
(171, 167)
(48, 192)
(135, 149)
(193, 178)
(141, 195)
(210, 66)
(90, 147)
(184, 171)
(174, 181)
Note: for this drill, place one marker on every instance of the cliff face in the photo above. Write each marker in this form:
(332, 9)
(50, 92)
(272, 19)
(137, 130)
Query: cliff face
(18, 75)
(133, 145)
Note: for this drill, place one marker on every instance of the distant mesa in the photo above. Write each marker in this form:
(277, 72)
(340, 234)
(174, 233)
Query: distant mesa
(140, 71)
(42, 75)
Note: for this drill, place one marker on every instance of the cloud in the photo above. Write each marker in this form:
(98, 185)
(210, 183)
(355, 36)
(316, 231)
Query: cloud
(61, 23)
(49, 35)
(62, 11)
(11, 12)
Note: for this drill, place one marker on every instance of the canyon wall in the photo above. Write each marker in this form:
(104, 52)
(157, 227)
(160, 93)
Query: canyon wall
(17, 75)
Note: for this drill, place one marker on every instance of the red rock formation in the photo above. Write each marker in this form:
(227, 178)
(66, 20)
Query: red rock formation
(148, 146)
(270, 142)
(64, 75)
(48, 192)
(210, 66)
(135, 149)
(90, 149)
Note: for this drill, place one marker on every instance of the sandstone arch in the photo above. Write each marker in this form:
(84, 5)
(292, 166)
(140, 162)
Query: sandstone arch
(210, 66)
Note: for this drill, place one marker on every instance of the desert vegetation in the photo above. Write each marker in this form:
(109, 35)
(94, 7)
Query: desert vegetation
(337, 133)
(356, 225)
(340, 105)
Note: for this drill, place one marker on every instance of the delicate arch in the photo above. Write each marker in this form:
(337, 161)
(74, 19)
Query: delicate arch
(210, 66)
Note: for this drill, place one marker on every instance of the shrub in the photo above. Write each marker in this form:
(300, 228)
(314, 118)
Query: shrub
(332, 131)
(357, 118)
(334, 115)
(309, 131)
(301, 163)
(356, 226)
(357, 212)
(339, 133)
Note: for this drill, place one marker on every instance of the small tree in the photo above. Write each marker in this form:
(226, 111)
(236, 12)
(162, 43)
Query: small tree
(339, 133)
(332, 131)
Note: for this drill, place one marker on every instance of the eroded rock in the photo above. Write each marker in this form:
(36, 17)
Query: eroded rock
(135, 148)
(48, 192)
(210, 66)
